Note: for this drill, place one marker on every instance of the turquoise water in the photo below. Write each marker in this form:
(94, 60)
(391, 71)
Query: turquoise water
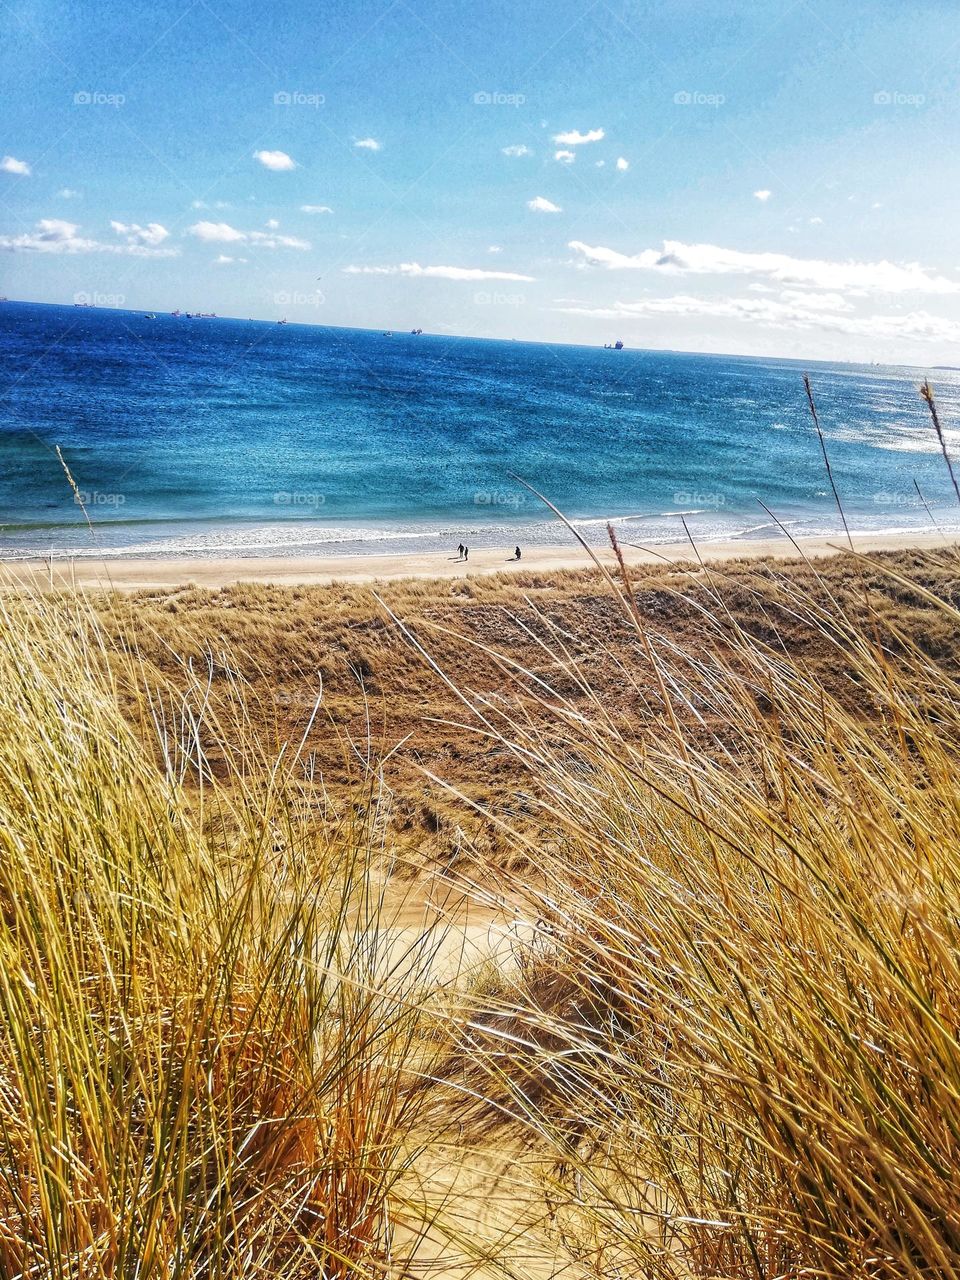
(228, 437)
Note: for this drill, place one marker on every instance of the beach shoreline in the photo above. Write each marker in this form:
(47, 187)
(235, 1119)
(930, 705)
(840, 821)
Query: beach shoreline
(146, 574)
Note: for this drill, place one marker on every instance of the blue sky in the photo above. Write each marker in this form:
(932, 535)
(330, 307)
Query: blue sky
(767, 178)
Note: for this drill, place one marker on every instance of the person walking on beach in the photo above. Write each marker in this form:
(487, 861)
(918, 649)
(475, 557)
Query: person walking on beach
(460, 550)
(516, 554)
(466, 553)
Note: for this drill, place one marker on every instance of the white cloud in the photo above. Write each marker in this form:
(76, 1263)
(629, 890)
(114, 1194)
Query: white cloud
(676, 258)
(152, 234)
(224, 259)
(565, 157)
(516, 149)
(622, 164)
(68, 193)
(816, 222)
(574, 138)
(10, 164)
(540, 204)
(792, 310)
(217, 204)
(272, 223)
(54, 235)
(763, 196)
(278, 161)
(223, 233)
(367, 144)
(414, 269)
(217, 232)
(495, 248)
(315, 208)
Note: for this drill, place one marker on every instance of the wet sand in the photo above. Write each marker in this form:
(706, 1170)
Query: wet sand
(134, 575)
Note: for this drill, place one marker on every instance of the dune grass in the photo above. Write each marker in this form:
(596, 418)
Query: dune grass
(728, 1036)
(738, 1028)
(733, 1037)
(205, 1052)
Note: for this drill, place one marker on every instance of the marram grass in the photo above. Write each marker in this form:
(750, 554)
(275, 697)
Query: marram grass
(735, 1039)
(204, 1058)
(739, 1029)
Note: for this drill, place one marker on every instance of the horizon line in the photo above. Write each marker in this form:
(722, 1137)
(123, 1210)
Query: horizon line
(466, 337)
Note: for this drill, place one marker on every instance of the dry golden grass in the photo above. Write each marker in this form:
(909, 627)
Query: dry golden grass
(382, 702)
(738, 1028)
(729, 1046)
(207, 1057)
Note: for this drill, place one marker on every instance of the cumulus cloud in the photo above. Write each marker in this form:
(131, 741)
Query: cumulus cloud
(414, 269)
(272, 223)
(565, 157)
(574, 138)
(152, 234)
(54, 235)
(677, 258)
(763, 196)
(10, 164)
(540, 204)
(791, 310)
(622, 164)
(216, 231)
(367, 144)
(516, 149)
(278, 161)
(495, 248)
(68, 193)
(223, 233)
(315, 208)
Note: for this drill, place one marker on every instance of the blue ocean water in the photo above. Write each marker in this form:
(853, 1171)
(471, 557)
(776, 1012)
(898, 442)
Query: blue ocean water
(227, 437)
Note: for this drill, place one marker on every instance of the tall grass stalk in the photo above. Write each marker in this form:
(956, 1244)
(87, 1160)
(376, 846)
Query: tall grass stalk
(739, 1029)
(207, 1054)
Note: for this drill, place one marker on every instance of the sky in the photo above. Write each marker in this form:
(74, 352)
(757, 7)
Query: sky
(767, 178)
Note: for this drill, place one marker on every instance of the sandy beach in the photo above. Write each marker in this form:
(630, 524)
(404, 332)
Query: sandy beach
(137, 574)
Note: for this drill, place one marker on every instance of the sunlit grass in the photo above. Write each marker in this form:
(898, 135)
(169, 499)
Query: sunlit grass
(738, 1030)
(206, 1054)
(717, 1033)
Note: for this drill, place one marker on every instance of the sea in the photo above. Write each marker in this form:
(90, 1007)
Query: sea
(126, 434)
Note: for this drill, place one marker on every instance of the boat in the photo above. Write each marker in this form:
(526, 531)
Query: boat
(176, 313)
(148, 315)
(416, 332)
(282, 321)
(618, 345)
